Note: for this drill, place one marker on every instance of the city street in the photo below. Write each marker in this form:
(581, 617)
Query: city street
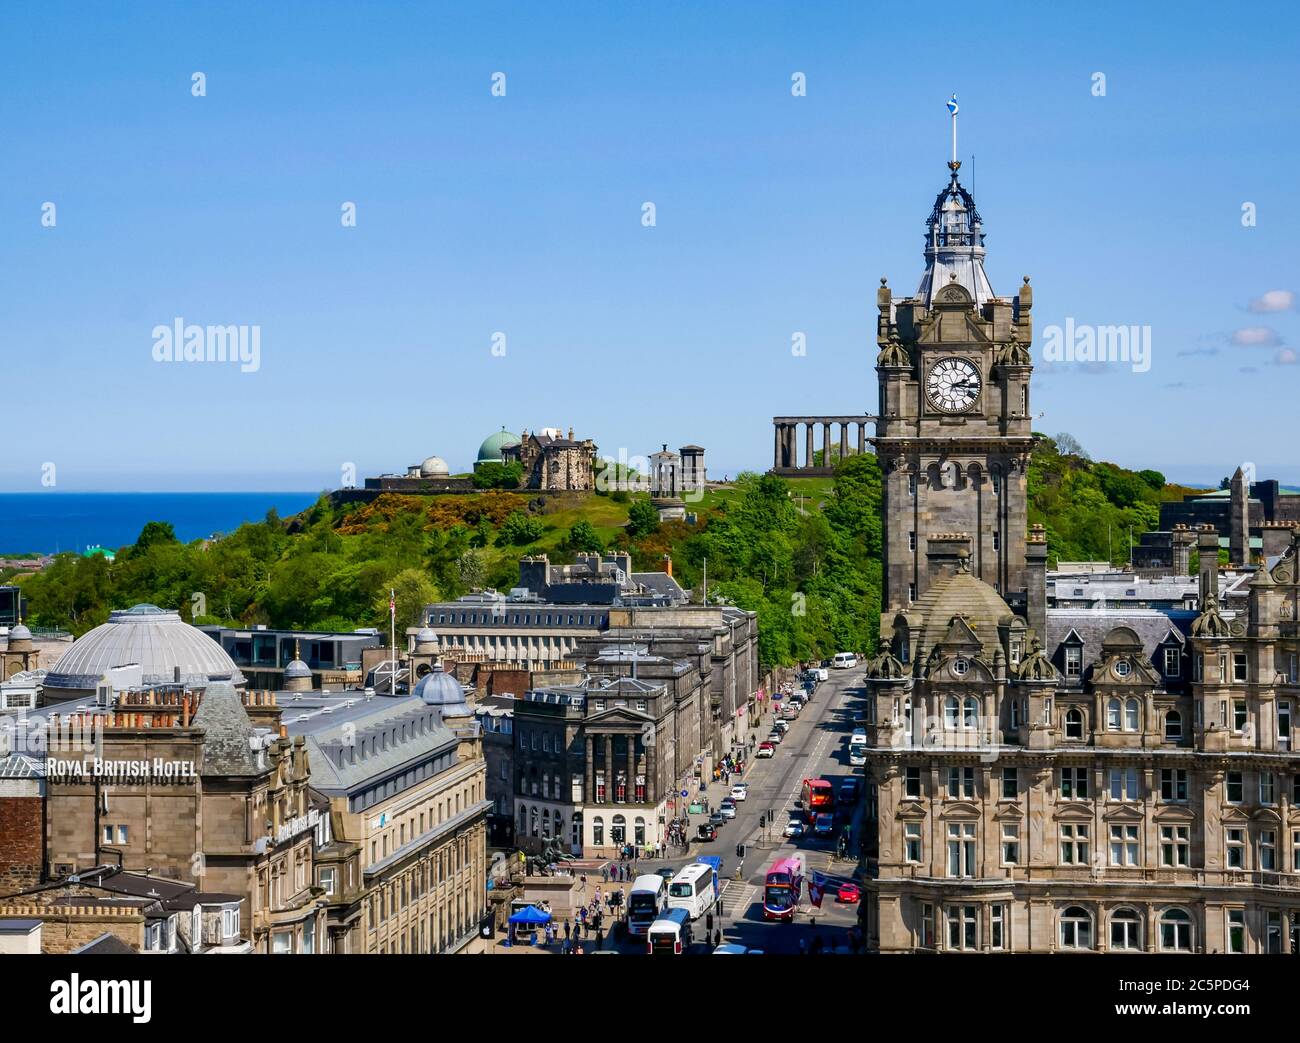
(816, 746)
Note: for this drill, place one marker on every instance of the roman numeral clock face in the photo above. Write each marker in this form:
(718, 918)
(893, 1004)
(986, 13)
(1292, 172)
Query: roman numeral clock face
(953, 385)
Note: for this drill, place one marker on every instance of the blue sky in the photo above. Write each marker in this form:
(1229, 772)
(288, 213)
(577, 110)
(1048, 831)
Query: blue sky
(522, 214)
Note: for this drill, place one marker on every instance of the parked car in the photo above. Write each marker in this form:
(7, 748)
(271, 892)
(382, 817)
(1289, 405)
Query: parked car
(795, 828)
(849, 892)
(740, 791)
(727, 809)
(766, 749)
(717, 818)
(775, 737)
(781, 726)
(707, 831)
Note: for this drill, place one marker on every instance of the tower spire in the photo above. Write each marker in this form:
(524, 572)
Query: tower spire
(954, 164)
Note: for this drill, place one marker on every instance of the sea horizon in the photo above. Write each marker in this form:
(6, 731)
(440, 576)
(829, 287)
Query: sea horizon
(56, 521)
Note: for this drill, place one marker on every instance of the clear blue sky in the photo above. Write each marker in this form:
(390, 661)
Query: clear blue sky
(522, 214)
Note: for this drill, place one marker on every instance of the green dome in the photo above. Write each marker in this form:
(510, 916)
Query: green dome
(490, 450)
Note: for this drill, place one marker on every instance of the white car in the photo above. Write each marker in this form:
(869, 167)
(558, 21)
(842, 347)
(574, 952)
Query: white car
(775, 737)
(740, 791)
(727, 810)
(795, 828)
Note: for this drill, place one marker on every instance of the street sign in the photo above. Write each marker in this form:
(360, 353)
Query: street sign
(685, 793)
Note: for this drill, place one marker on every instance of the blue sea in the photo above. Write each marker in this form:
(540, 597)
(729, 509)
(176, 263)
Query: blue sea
(48, 522)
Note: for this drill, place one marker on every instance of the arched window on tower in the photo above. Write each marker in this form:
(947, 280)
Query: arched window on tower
(1074, 723)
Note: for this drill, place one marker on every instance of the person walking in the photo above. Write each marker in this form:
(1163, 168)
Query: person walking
(566, 930)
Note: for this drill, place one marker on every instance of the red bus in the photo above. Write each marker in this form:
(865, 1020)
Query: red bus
(782, 888)
(818, 798)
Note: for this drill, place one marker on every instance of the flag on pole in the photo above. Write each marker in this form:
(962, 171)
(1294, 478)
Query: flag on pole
(952, 104)
(816, 888)
(392, 603)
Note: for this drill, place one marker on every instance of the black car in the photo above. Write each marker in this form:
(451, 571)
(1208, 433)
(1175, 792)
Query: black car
(707, 831)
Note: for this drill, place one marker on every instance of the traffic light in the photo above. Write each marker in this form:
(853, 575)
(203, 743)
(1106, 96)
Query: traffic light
(740, 850)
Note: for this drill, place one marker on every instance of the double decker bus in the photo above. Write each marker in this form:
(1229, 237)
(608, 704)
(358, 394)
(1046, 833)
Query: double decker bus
(818, 798)
(782, 887)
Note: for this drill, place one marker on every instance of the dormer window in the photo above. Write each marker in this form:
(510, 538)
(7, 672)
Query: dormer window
(1015, 650)
(1173, 662)
(1073, 661)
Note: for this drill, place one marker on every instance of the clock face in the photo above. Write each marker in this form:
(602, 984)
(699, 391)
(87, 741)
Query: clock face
(953, 385)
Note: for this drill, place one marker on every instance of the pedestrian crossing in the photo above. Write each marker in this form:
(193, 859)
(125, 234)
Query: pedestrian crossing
(736, 898)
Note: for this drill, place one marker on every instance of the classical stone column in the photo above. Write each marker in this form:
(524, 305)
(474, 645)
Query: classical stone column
(844, 440)
(808, 444)
(776, 445)
(631, 768)
(826, 443)
(609, 769)
(589, 786)
(862, 437)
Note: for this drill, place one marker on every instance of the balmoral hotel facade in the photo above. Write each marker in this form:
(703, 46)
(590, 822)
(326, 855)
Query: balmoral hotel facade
(1110, 787)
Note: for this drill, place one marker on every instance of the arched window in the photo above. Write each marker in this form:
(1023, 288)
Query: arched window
(1074, 723)
(532, 821)
(546, 823)
(618, 831)
(1125, 930)
(523, 820)
(1175, 931)
(1131, 715)
(1076, 928)
(559, 825)
(970, 712)
(598, 831)
(638, 836)
(1113, 715)
(1173, 726)
(950, 712)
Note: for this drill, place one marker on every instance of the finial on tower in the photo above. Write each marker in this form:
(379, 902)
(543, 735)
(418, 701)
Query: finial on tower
(954, 164)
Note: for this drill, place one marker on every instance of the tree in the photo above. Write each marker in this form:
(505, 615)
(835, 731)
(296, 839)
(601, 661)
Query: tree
(642, 518)
(493, 475)
(1154, 479)
(519, 529)
(583, 537)
(471, 568)
(413, 590)
(482, 535)
(154, 533)
(1068, 445)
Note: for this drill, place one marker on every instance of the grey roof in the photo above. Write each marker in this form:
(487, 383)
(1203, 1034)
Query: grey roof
(105, 945)
(1151, 625)
(157, 639)
(438, 688)
(227, 731)
(351, 741)
(660, 583)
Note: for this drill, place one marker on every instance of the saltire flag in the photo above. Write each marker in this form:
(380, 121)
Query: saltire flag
(392, 603)
(952, 104)
(816, 887)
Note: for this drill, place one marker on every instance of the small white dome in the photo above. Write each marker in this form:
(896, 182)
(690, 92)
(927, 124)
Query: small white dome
(440, 689)
(434, 467)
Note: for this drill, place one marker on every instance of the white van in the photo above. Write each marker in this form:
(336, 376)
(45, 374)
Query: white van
(844, 661)
(858, 749)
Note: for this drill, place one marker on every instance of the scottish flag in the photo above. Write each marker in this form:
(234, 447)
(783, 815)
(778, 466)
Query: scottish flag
(952, 104)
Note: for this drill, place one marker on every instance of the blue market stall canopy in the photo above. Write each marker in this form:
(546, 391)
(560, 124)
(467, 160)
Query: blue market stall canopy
(530, 915)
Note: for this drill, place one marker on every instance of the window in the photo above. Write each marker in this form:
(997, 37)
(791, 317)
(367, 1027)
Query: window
(1198, 667)
(997, 926)
(970, 709)
(1273, 932)
(912, 841)
(1267, 788)
(1295, 850)
(1124, 784)
(1074, 723)
(962, 928)
(1015, 714)
(1239, 715)
(1125, 930)
(1015, 653)
(1131, 715)
(1076, 928)
(1113, 715)
(912, 783)
(1239, 667)
(281, 943)
(1237, 930)
(1074, 783)
(1175, 847)
(1074, 843)
(950, 712)
(1175, 931)
(1123, 845)
(1235, 839)
(961, 783)
(1073, 661)
(997, 543)
(1010, 784)
(961, 849)
(911, 540)
(911, 592)
(1268, 850)
(1173, 784)
(927, 926)
(1173, 662)
(1010, 843)
(597, 831)
(1173, 726)
(1234, 787)
(1123, 668)
(327, 880)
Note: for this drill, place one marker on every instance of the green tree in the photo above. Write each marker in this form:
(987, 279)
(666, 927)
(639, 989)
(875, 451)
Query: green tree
(414, 590)
(519, 529)
(493, 475)
(583, 537)
(642, 518)
(472, 569)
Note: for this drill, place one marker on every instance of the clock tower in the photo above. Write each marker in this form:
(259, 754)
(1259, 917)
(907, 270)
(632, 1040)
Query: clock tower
(954, 431)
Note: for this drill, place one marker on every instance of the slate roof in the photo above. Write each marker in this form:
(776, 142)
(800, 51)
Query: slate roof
(226, 733)
(660, 583)
(105, 945)
(1151, 625)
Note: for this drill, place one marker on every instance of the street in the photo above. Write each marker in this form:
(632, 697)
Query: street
(816, 746)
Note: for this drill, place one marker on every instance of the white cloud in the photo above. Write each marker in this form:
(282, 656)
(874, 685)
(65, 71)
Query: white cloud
(1274, 300)
(1256, 337)
(1286, 357)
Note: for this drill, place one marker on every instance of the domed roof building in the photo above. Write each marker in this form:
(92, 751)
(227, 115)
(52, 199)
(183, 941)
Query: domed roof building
(434, 467)
(297, 674)
(493, 446)
(440, 689)
(166, 648)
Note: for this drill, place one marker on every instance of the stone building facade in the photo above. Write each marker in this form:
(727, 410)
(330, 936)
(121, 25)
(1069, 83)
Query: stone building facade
(553, 463)
(1120, 792)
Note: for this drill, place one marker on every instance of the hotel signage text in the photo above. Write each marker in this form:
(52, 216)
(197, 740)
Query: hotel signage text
(127, 771)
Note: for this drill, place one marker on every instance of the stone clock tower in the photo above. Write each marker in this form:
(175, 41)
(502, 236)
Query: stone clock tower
(953, 436)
